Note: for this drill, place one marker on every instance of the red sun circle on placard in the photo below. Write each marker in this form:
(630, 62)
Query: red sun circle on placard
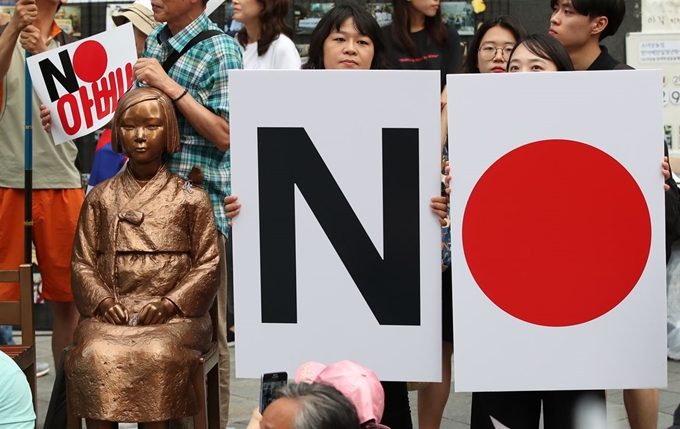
(556, 233)
(90, 61)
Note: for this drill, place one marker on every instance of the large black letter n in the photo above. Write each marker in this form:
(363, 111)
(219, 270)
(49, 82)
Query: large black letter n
(390, 286)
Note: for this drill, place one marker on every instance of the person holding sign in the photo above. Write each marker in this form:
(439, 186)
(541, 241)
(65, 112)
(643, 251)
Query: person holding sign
(349, 38)
(145, 273)
(580, 26)
(57, 189)
(266, 42)
(198, 84)
(492, 42)
(537, 53)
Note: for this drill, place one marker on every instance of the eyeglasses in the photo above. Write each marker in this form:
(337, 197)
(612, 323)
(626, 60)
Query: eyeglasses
(488, 52)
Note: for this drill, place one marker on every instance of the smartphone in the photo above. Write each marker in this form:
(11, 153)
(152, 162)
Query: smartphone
(269, 384)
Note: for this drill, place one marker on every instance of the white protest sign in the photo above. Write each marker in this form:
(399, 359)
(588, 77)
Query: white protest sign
(212, 5)
(557, 215)
(81, 82)
(660, 16)
(337, 254)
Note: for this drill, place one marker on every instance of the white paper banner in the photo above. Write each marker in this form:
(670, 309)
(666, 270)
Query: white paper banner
(336, 251)
(661, 16)
(557, 217)
(212, 5)
(81, 82)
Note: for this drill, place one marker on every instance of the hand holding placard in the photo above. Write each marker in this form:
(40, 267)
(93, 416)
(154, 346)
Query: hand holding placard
(150, 72)
(25, 12)
(31, 40)
(80, 83)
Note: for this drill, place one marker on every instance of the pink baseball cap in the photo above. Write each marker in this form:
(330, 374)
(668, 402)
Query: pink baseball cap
(358, 383)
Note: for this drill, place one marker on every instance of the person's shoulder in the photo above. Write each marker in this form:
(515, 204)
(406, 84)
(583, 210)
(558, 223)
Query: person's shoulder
(283, 41)
(219, 44)
(156, 31)
(7, 364)
(220, 37)
(218, 48)
(622, 66)
(605, 61)
(387, 35)
(62, 38)
(451, 31)
(68, 38)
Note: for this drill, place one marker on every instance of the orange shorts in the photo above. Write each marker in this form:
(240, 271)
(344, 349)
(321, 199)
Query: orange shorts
(55, 216)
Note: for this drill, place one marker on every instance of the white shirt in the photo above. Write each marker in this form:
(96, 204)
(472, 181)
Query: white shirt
(282, 54)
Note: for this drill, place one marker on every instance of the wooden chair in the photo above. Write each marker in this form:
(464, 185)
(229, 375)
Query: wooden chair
(206, 382)
(21, 313)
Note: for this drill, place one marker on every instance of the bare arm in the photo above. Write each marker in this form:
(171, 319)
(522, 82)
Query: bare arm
(26, 12)
(211, 126)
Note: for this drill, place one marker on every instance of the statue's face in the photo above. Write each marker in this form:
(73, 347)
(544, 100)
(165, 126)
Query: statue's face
(142, 127)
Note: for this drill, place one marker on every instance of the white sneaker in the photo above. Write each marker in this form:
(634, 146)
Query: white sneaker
(41, 368)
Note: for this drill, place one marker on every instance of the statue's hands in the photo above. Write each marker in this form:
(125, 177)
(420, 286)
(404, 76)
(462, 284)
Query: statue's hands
(157, 312)
(113, 312)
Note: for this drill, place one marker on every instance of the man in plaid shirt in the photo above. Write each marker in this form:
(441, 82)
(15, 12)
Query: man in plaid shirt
(198, 86)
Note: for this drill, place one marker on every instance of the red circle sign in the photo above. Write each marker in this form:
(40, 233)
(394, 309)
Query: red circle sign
(90, 61)
(556, 233)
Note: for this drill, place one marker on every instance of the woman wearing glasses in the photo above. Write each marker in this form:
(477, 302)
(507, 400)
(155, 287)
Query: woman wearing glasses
(493, 43)
(535, 53)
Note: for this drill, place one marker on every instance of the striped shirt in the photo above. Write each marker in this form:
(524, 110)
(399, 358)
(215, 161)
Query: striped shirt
(203, 71)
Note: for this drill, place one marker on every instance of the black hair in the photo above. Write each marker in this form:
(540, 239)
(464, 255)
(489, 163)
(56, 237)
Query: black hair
(332, 20)
(613, 10)
(507, 22)
(272, 24)
(401, 27)
(548, 48)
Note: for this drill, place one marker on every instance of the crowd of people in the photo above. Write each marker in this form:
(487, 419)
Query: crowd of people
(195, 85)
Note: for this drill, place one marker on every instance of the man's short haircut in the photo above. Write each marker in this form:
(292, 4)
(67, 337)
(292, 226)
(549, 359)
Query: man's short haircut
(614, 10)
(321, 406)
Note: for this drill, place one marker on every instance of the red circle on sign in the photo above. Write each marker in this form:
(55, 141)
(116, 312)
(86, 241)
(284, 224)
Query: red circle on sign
(556, 233)
(90, 61)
